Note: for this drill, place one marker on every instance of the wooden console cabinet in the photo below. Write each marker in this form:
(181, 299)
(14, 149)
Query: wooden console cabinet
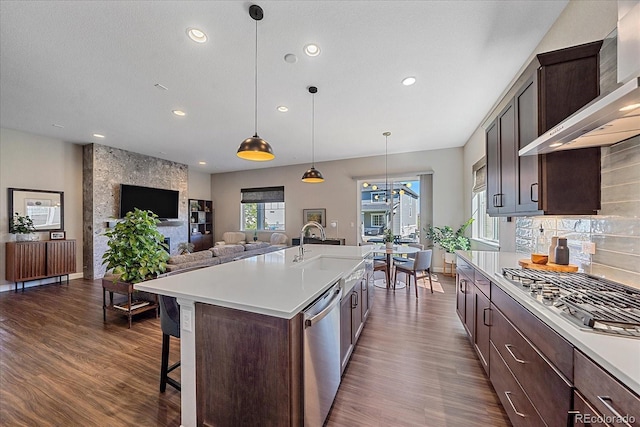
(26, 261)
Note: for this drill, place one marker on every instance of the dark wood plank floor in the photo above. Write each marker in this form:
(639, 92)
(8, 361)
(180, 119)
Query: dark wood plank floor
(61, 365)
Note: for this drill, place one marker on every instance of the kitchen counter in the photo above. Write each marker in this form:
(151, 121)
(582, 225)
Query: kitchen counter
(620, 356)
(270, 284)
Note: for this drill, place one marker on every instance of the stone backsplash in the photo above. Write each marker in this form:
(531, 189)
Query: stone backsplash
(615, 230)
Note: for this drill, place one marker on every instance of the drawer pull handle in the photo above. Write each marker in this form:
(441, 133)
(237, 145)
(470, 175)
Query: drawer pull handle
(607, 401)
(520, 414)
(508, 347)
(484, 316)
(531, 193)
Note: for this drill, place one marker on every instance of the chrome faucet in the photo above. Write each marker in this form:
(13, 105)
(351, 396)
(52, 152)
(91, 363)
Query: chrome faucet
(300, 255)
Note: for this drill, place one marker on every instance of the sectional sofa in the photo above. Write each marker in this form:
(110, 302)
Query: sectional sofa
(233, 247)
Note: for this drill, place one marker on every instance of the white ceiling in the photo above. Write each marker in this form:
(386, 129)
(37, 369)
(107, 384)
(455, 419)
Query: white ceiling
(91, 67)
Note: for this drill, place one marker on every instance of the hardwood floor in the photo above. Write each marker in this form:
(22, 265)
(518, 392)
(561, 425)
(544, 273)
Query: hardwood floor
(60, 365)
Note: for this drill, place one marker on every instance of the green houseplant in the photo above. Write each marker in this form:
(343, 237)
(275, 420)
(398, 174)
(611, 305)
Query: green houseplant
(22, 227)
(387, 237)
(136, 248)
(449, 240)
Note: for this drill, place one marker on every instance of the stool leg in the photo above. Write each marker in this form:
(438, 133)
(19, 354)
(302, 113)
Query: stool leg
(165, 362)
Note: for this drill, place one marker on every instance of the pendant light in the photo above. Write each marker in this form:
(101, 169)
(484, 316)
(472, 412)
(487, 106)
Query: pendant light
(312, 175)
(256, 148)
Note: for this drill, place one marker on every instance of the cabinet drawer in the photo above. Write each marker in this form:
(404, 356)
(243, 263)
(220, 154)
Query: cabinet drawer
(518, 407)
(584, 415)
(547, 389)
(553, 346)
(464, 267)
(605, 393)
(482, 283)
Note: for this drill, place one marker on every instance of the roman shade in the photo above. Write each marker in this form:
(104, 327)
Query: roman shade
(480, 175)
(262, 195)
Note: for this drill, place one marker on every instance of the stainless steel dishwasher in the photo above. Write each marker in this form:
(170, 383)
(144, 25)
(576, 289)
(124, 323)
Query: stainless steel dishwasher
(321, 355)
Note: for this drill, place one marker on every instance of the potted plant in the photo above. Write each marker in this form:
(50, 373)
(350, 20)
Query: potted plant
(387, 237)
(137, 251)
(449, 240)
(22, 227)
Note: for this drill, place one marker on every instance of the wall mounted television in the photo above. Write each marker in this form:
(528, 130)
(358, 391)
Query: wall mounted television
(163, 203)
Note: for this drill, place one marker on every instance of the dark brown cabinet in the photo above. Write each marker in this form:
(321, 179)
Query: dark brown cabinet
(482, 325)
(346, 335)
(354, 310)
(201, 224)
(26, 261)
(501, 164)
(555, 85)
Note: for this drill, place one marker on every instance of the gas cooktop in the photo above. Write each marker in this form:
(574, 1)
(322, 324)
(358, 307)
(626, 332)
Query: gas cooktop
(590, 302)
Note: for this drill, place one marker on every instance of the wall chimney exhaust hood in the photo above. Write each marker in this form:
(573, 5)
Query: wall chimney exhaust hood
(612, 117)
(606, 120)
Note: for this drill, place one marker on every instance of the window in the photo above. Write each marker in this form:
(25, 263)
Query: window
(484, 227)
(377, 220)
(262, 209)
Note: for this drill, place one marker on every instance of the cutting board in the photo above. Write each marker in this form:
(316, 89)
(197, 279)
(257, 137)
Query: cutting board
(527, 263)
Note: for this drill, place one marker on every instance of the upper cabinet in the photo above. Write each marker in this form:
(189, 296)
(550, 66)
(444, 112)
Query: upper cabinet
(555, 86)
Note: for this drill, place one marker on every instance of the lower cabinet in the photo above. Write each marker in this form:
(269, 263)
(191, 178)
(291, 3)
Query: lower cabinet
(516, 404)
(353, 312)
(604, 395)
(539, 377)
(483, 316)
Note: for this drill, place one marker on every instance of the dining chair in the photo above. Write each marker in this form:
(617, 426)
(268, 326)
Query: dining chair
(379, 262)
(409, 256)
(421, 263)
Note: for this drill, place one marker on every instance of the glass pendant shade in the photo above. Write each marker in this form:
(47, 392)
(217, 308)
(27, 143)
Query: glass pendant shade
(313, 175)
(256, 149)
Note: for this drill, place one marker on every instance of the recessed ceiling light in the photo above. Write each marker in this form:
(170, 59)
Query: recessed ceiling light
(179, 113)
(630, 107)
(312, 49)
(55, 125)
(555, 144)
(290, 58)
(283, 108)
(159, 86)
(97, 135)
(202, 163)
(408, 81)
(196, 35)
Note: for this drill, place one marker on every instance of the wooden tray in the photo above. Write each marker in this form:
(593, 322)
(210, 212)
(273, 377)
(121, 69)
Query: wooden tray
(527, 263)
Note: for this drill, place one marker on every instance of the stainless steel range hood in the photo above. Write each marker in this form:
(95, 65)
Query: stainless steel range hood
(614, 116)
(606, 120)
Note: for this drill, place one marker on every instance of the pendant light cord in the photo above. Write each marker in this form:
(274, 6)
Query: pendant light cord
(386, 175)
(313, 129)
(255, 109)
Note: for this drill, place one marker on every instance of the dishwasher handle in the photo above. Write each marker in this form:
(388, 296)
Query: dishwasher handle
(318, 317)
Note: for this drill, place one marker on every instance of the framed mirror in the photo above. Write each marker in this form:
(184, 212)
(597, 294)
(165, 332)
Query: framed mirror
(45, 208)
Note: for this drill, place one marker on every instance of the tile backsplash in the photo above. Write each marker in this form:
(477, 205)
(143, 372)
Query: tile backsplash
(615, 230)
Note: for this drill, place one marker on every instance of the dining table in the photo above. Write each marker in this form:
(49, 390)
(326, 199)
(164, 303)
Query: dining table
(390, 252)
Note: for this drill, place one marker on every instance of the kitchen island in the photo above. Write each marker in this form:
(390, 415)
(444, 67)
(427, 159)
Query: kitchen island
(544, 367)
(255, 306)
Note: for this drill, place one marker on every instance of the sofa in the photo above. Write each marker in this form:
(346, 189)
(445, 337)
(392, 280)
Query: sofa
(233, 249)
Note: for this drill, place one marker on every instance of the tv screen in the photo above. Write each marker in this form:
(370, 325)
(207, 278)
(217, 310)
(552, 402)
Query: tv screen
(163, 203)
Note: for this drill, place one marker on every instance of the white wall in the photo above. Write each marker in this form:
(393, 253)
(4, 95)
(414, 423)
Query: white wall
(339, 193)
(199, 185)
(40, 163)
(580, 22)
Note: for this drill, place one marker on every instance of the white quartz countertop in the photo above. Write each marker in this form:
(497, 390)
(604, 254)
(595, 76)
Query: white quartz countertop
(270, 284)
(618, 355)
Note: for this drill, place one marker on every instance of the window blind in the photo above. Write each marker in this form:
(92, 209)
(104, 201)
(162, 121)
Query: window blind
(262, 195)
(480, 176)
